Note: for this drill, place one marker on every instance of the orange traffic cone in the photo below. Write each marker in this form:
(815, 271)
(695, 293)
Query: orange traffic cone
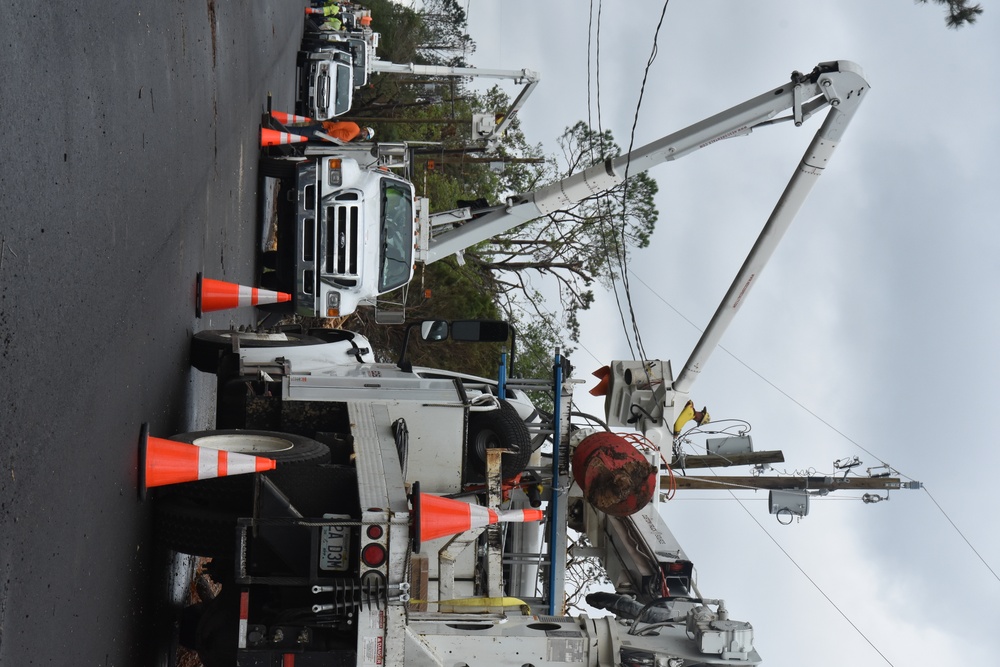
(314, 10)
(521, 516)
(269, 137)
(439, 517)
(287, 118)
(443, 516)
(218, 295)
(163, 462)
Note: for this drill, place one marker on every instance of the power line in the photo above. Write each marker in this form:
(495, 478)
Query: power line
(602, 198)
(635, 121)
(811, 581)
(772, 385)
(953, 525)
(827, 424)
(808, 578)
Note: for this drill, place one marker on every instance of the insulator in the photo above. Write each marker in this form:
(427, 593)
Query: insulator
(840, 464)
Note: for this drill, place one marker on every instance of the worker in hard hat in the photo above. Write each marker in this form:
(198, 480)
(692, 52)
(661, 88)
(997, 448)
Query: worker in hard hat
(342, 130)
(335, 16)
(346, 131)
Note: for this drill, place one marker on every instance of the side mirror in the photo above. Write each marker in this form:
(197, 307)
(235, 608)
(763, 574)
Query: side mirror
(480, 331)
(434, 330)
(472, 331)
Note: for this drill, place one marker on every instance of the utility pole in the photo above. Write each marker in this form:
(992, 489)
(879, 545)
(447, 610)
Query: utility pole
(412, 121)
(790, 483)
(719, 460)
(465, 159)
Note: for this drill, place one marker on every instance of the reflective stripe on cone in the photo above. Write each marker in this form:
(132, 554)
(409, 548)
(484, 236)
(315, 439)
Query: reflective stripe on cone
(164, 462)
(269, 137)
(286, 118)
(219, 295)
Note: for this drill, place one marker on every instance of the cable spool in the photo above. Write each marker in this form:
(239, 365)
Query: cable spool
(615, 477)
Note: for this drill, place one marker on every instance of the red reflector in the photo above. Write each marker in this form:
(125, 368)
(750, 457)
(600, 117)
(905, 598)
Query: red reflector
(288, 660)
(675, 567)
(374, 532)
(373, 555)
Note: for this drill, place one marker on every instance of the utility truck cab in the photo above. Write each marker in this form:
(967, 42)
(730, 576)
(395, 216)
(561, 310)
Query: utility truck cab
(332, 63)
(346, 230)
(326, 83)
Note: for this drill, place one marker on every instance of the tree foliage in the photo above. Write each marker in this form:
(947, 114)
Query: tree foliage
(549, 264)
(959, 12)
(587, 243)
(583, 573)
(445, 41)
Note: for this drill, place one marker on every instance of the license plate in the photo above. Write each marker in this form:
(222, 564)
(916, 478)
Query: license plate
(334, 545)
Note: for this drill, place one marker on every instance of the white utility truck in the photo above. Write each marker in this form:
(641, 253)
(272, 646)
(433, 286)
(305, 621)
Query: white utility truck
(321, 561)
(332, 64)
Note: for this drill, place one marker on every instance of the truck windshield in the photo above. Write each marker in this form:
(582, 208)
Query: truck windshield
(359, 54)
(344, 88)
(396, 235)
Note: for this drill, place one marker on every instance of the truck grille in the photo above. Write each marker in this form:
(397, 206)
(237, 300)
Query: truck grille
(342, 240)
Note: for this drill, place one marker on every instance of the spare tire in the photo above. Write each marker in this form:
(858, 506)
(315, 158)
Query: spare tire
(190, 528)
(236, 492)
(208, 346)
(503, 429)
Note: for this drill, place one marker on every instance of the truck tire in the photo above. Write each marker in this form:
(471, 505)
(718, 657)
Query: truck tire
(235, 493)
(499, 428)
(190, 528)
(276, 167)
(216, 636)
(208, 346)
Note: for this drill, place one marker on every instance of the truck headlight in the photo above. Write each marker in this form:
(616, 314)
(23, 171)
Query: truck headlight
(333, 304)
(336, 178)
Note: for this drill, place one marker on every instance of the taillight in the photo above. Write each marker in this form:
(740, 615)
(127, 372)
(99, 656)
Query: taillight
(373, 555)
(374, 532)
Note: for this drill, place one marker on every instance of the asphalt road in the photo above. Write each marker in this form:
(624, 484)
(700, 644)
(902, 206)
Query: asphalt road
(129, 165)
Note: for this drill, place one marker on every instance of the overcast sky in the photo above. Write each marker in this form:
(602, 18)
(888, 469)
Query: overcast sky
(878, 312)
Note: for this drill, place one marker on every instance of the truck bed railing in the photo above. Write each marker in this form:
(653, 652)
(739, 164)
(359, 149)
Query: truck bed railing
(555, 428)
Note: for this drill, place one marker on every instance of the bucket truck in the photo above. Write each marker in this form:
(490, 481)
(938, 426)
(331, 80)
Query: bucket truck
(338, 236)
(321, 560)
(327, 559)
(334, 63)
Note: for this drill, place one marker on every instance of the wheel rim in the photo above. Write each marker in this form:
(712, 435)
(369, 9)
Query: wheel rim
(244, 443)
(486, 439)
(249, 335)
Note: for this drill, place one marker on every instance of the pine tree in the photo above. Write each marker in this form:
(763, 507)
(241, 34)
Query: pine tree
(960, 12)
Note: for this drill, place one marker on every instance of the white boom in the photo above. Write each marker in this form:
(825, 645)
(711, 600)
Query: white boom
(526, 77)
(643, 394)
(838, 85)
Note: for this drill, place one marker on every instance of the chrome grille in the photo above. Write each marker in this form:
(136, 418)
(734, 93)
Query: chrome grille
(343, 238)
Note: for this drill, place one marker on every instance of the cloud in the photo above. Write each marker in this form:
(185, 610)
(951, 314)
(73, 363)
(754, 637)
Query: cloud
(878, 311)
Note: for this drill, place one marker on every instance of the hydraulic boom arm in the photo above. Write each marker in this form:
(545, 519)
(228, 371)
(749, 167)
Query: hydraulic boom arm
(838, 85)
(526, 77)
